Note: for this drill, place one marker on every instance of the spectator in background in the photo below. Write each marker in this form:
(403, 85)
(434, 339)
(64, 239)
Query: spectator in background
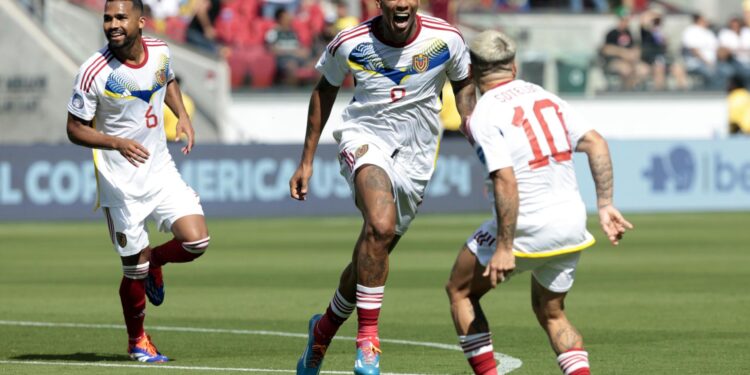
(738, 100)
(201, 32)
(445, 9)
(160, 10)
(170, 120)
(601, 6)
(701, 54)
(343, 19)
(271, 7)
(622, 56)
(734, 43)
(654, 52)
(284, 43)
(369, 9)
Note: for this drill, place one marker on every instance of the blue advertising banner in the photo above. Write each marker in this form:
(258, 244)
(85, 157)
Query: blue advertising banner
(708, 175)
(46, 182)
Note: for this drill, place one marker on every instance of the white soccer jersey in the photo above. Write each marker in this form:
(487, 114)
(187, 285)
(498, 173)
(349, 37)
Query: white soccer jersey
(396, 100)
(518, 124)
(127, 101)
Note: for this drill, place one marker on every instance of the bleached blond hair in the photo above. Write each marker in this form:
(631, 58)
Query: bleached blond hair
(492, 51)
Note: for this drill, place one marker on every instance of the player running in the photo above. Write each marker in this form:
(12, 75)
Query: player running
(525, 137)
(116, 109)
(387, 150)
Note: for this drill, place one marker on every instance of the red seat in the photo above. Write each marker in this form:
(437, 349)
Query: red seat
(176, 28)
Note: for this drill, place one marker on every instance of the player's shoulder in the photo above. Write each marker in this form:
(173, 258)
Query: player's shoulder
(351, 35)
(93, 66)
(151, 42)
(438, 26)
(103, 54)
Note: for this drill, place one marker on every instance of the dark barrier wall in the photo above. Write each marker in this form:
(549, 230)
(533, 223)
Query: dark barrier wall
(57, 182)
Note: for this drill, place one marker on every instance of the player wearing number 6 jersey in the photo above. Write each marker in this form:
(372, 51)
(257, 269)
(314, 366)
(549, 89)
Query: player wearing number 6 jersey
(116, 109)
(387, 150)
(525, 136)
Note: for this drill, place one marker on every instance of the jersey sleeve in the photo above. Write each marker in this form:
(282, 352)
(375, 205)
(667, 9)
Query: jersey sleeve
(458, 68)
(489, 142)
(83, 100)
(331, 66)
(171, 75)
(576, 125)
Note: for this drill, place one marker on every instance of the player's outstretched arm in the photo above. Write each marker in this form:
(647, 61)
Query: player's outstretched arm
(466, 98)
(81, 133)
(611, 220)
(503, 262)
(173, 99)
(321, 103)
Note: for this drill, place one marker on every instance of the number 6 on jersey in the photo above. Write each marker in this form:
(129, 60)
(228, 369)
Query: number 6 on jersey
(151, 119)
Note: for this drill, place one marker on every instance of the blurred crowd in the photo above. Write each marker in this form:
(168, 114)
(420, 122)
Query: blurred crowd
(277, 42)
(707, 56)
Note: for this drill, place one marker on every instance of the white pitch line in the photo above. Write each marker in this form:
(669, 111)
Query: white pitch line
(506, 362)
(171, 367)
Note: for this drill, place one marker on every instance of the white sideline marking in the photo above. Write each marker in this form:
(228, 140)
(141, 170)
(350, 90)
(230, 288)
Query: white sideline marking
(506, 362)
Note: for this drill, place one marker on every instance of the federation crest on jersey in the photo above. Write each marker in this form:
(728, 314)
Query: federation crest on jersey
(122, 240)
(420, 62)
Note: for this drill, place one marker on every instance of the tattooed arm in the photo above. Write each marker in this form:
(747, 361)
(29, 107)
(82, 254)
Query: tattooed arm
(597, 150)
(503, 262)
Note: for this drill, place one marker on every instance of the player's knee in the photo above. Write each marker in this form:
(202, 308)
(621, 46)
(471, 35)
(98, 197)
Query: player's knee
(136, 272)
(197, 247)
(381, 230)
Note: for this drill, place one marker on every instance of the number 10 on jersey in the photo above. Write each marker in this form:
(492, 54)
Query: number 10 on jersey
(541, 159)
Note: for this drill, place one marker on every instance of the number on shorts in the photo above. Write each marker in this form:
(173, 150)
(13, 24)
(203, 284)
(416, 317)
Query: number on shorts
(540, 159)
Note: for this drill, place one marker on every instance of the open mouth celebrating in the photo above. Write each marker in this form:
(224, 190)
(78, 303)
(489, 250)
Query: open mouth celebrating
(401, 20)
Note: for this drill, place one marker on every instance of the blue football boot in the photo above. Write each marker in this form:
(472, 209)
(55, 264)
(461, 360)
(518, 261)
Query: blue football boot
(312, 358)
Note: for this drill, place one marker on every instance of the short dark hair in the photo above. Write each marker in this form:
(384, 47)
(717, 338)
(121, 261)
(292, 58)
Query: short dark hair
(279, 12)
(137, 4)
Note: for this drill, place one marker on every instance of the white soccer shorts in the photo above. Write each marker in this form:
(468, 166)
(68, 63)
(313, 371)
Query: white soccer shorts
(555, 273)
(407, 192)
(127, 224)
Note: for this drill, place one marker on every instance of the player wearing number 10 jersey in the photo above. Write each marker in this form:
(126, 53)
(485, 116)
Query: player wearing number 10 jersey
(116, 109)
(525, 136)
(387, 151)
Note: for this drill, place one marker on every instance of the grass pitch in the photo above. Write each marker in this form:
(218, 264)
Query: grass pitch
(671, 299)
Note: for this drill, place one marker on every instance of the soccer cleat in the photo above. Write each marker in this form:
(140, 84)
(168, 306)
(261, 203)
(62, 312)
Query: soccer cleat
(368, 357)
(155, 286)
(312, 358)
(143, 350)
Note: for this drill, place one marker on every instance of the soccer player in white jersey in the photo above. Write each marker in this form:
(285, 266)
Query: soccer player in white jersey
(525, 136)
(116, 109)
(387, 149)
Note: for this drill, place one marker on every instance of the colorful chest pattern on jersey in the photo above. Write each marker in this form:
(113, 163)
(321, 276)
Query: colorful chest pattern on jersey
(366, 57)
(121, 84)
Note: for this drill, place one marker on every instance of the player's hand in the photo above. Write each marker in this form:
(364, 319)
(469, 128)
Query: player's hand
(184, 126)
(613, 224)
(501, 265)
(298, 182)
(132, 151)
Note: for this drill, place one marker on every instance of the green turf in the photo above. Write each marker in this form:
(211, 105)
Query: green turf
(672, 299)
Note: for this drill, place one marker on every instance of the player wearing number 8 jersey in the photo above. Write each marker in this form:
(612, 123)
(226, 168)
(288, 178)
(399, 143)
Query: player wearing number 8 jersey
(387, 150)
(116, 109)
(525, 136)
